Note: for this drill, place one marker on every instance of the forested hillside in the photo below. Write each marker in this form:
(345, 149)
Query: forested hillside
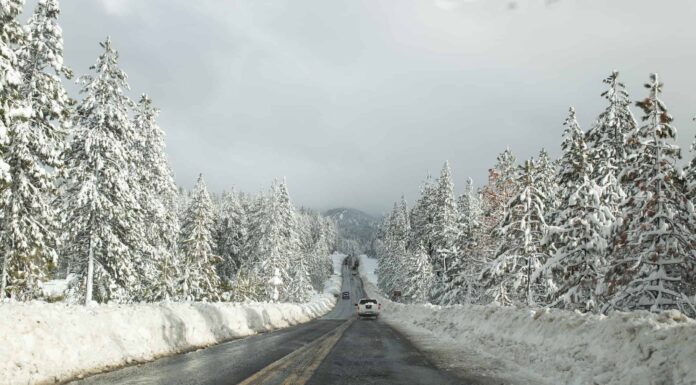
(86, 193)
(609, 225)
(356, 230)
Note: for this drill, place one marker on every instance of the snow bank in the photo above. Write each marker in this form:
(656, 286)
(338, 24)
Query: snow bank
(48, 342)
(563, 347)
(55, 289)
(367, 268)
(337, 260)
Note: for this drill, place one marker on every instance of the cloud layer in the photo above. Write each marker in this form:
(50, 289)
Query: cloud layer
(354, 102)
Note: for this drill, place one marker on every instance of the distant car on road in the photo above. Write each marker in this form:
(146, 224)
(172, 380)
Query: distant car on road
(368, 307)
(355, 272)
(346, 295)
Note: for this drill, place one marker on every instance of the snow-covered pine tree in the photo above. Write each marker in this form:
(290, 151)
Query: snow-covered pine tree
(581, 230)
(607, 140)
(546, 175)
(233, 229)
(508, 278)
(322, 267)
(315, 246)
(221, 234)
(656, 262)
(507, 171)
(101, 212)
(274, 242)
(691, 175)
(183, 199)
(495, 195)
(12, 108)
(390, 267)
(199, 281)
(463, 286)
(421, 218)
(29, 227)
(158, 195)
(299, 288)
(418, 276)
(444, 232)
(574, 159)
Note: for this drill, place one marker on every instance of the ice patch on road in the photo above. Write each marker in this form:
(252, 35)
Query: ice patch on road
(51, 342)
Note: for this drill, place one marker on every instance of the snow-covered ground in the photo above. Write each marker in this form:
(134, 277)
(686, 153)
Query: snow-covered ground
(542, 346)
(48, 342)
(367, 268)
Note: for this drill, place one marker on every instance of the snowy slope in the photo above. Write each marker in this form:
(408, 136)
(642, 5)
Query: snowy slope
(367, 268)
(356, 229)
(551, 346)
(55, 342)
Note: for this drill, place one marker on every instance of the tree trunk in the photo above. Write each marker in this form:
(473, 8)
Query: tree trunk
(90, 273)
(3, 278)
(529, 283)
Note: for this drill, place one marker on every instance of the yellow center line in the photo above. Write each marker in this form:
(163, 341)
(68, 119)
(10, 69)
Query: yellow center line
(298, 357)
(303, 373)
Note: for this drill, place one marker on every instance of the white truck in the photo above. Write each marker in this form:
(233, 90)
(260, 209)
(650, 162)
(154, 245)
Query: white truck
(368, 307)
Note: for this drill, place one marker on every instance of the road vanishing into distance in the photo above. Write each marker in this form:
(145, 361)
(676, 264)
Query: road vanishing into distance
(336, 349)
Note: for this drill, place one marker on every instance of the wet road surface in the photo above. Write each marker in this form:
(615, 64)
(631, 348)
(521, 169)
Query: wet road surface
(336, 349)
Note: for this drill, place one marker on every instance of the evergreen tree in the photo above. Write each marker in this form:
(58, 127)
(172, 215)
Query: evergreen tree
(444, 231)
(419, 276)
(233, 229)
(29, 228)
(495, 195)
(199, 278)
(300, 285)
(158, 196)
(101, 211)
(656, 259)
(12, 108)
(691, 176)
(506, 170)
(421, 218)
(574, 160)
(546, 173)
(391, 267)
(582, 228)
(315, 246)
(508, 278)
(607, 140)
(275, 243)
(463, 285)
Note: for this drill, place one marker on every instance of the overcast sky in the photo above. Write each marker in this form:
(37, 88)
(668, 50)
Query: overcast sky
(354, 102)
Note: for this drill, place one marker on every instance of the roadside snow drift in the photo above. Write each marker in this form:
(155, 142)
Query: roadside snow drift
(559, 347)
(44, 343)
(367, 268)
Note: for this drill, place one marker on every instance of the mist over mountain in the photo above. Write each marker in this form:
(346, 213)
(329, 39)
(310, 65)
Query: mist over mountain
(356, 230)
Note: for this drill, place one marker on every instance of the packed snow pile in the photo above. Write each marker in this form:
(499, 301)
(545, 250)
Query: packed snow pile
(55, 289)
(562, 346)
(49, 342)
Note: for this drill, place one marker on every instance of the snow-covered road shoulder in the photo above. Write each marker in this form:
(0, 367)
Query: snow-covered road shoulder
(46, 343)
(551, 346)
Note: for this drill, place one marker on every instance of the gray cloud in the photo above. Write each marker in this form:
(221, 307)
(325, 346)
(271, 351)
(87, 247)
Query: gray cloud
(354, 102)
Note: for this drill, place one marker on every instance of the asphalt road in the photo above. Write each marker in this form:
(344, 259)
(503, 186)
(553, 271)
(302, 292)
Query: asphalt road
(336, 349)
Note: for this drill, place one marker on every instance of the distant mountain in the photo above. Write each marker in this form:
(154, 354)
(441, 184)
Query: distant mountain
(356, 230)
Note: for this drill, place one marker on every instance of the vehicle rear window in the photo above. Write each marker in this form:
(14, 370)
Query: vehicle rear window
(364, 301)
